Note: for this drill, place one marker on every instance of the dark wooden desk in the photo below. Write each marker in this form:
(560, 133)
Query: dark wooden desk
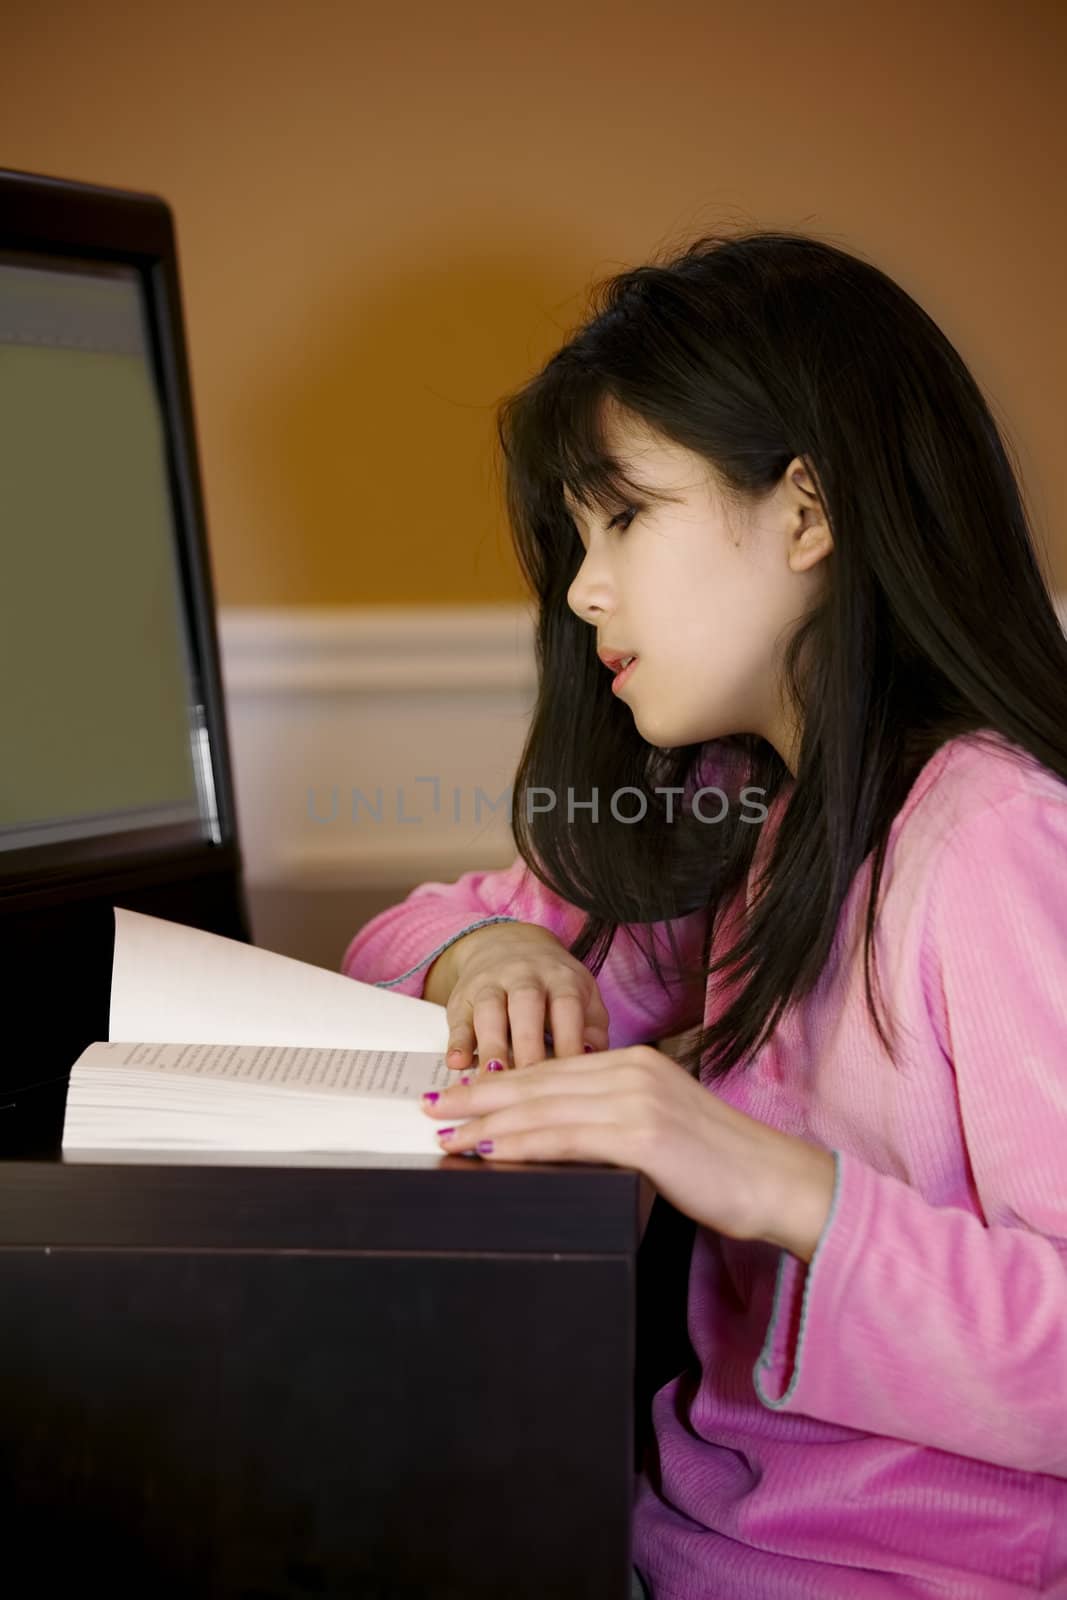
(360, 1376)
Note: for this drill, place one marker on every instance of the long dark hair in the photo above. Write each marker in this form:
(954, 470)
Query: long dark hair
(936, 620)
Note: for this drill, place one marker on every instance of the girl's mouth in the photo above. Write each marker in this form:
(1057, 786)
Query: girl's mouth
(620, 677)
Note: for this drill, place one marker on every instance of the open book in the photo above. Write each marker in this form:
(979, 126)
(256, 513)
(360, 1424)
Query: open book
(218, 1045)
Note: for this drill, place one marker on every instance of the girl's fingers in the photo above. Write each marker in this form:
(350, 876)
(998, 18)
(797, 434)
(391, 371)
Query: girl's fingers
(597, 1022)
(490, 1017)
(522, 1026)
(526, 1013)
(460, 1047)
(547, 1126)
(569, 1033)
(461, 1052)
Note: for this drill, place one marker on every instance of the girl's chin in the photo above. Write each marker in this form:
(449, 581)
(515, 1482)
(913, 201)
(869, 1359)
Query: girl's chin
(663, 735)
(655, 733)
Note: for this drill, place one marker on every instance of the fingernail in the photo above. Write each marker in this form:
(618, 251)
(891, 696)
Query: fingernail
(432, 1097)
(494, 1066)
(453, 1053)
(444, 1133)
(484, 1146)
(589, 1050)
(465, 1078)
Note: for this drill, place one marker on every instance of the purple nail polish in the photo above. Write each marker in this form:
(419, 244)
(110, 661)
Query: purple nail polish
(465, 1077)
(494, 1066)
(431, 1097)
(443, 1133)
(484, 1146)
(589, 1050)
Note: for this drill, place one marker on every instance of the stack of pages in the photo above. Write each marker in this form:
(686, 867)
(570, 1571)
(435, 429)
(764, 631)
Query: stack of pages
(218, 1045)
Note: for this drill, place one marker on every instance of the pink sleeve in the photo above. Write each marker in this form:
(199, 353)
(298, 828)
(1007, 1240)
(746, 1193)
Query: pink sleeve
(930, 1323)
(395, 949)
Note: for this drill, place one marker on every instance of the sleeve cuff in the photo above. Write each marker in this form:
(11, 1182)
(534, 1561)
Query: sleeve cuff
(777, 1372)
(391, 983)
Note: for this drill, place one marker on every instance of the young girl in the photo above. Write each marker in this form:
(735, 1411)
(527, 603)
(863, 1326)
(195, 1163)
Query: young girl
(837, 765)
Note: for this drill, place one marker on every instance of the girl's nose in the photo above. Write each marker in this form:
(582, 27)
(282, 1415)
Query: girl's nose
(587, 610)
(588, 596)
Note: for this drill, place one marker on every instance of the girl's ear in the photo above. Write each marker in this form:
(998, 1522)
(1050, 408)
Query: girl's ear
(810, 539)
(810, 545)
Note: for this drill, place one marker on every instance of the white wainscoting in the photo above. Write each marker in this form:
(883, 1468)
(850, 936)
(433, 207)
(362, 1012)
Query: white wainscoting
(415, 712)
(327, 704)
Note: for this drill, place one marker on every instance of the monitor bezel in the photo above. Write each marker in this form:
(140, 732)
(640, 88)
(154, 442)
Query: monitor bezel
(63, 218)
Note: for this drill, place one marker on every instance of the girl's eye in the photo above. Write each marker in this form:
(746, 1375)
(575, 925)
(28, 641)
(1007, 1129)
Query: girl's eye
(628, 515)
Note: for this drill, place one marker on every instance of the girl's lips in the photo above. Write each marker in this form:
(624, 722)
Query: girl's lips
(621, 677)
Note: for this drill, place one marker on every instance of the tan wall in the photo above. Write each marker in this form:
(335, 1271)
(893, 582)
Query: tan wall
(389, 215)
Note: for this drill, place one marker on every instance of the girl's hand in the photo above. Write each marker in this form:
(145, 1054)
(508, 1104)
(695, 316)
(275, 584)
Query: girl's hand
(520, 974)
(637, 1108)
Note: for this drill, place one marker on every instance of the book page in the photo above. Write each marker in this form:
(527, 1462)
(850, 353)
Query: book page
(176, 984)
(383, 1074)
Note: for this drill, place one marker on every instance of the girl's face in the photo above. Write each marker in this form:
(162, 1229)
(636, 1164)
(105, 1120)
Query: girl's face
(705, 604)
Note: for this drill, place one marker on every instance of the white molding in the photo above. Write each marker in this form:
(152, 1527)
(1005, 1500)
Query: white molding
(325, 700)
(388, 649)
(367, 698)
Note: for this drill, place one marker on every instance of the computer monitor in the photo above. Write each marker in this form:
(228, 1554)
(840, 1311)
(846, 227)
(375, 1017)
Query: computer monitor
(115, 783)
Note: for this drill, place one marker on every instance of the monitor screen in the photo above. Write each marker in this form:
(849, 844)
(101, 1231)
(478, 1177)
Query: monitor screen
(101, 725)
